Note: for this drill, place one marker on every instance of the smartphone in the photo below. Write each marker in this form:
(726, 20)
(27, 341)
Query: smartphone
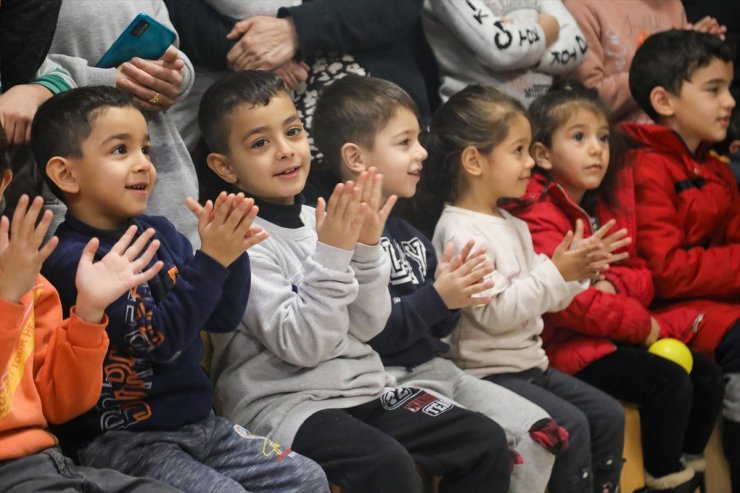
(145, 37)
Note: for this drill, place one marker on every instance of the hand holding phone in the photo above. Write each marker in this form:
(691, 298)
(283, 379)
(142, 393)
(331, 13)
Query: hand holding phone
(156, 84)
(144, 37)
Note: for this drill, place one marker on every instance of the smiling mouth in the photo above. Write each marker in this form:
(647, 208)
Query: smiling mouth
(288, 171)
(137, 187)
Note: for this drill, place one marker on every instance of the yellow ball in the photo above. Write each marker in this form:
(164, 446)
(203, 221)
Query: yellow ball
(674, 350)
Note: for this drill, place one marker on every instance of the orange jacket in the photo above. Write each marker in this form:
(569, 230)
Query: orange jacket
(51, 369)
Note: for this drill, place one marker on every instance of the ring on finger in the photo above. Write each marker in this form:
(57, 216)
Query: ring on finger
(156, 99)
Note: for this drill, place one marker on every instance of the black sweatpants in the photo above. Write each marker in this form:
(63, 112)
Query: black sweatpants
(374, 447)
(677, 410)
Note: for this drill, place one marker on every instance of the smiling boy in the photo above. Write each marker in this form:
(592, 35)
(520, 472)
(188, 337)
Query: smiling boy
(154, 416)
(298, 368)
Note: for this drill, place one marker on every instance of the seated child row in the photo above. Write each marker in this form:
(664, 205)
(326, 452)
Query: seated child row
(321, 359)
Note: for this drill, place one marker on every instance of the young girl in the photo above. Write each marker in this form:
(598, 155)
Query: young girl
(601, 336)
(479, 154)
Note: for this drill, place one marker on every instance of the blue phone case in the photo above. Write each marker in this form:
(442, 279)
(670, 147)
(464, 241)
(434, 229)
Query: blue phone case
(144, 37)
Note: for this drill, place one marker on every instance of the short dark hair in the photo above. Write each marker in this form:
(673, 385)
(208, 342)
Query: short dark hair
(252, 87)
(669, 58)
(355, 109)
(62, 124)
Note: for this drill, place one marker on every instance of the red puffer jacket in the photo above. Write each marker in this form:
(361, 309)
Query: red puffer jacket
(585, 331)
(688, 222)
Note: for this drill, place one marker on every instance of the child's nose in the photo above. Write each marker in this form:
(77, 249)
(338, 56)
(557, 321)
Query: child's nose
(284, 148)
(595, 146)
(422, 153)
(143, 162)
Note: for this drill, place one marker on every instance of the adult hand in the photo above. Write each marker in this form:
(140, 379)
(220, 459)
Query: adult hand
(708, 25)
(18, 106)
(293, 73)
(156, 84)
(264, 43)
(551, 26)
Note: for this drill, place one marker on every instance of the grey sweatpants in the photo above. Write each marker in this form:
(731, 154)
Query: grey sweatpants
(513, 413)
(49, 470)
(211, 456)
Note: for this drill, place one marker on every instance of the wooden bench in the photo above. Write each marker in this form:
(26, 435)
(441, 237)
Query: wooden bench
(717, 477)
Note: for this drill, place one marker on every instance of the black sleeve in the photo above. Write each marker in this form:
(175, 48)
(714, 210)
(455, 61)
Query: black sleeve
(202, 30)
(351, 26)
(26, 30)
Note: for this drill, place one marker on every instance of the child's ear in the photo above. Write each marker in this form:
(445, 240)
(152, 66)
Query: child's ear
(541, 155)
(5, 181)
(663, 102)
(352, 158)
(59, 170)
(472, 161)
(219, 163)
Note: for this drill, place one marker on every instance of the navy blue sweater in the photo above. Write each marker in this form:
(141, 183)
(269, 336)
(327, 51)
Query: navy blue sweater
(419, 318)
(152, 378)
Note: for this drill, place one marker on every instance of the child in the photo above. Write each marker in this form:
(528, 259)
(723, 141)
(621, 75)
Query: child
(154, 416)
(598, 337)
(363, 122)
(479, 154)
(688, 205)
(516, 45)
(52, 368)
(298, 368)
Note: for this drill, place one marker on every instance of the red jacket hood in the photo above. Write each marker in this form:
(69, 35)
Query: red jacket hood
(662, 139)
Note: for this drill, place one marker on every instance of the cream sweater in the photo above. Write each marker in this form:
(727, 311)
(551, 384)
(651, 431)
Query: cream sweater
(504, 335)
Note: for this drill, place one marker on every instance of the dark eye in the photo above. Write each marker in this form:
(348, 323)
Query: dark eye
(405, 142)
(120, 149)
(578, 136)
(146, 150)
(519, 150)
(259, 143)
(293, 131)
(604, 138)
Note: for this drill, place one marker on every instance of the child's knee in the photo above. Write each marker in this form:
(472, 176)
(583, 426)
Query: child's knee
(307, 475)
